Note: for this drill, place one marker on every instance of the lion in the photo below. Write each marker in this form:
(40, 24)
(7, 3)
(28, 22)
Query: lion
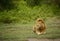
(39, 27)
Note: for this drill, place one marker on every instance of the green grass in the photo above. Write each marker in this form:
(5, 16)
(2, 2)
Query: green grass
(22, 32)
(24, 14)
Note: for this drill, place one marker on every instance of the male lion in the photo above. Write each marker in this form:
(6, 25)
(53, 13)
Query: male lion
(39, 27)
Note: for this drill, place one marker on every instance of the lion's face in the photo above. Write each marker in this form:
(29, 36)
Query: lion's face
(39, 27)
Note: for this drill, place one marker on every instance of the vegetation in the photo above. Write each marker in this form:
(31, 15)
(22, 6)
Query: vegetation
(23, 32)
(25, 11)
(18, 16)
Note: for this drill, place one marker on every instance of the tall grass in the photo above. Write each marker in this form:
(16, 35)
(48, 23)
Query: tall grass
(26, 14)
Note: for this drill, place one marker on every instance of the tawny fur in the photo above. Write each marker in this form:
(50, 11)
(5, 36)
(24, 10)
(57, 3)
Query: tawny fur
(39, 27)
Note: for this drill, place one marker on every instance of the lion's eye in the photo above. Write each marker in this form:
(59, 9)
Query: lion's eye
(39, 20)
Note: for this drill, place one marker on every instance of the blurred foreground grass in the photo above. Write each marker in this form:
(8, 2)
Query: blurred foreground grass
(22, 32)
